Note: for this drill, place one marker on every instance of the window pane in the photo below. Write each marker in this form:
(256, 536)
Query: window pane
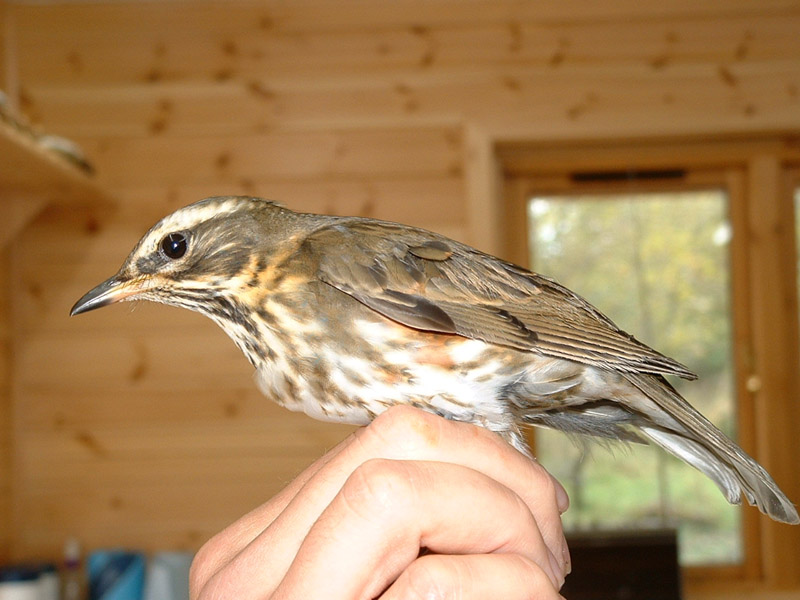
(657, 264)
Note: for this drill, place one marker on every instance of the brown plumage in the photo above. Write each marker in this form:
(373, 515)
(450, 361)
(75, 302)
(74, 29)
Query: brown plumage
(343, 317)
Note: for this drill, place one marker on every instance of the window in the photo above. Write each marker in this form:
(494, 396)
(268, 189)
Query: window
(659, 262)
(686, 246)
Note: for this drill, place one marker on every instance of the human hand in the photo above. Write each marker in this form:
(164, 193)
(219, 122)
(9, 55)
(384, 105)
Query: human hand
(410, 506)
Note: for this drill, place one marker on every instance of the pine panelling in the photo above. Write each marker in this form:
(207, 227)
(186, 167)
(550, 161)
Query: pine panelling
(4, 45)
(6, 435)
(558, 77)
(423, 200)
(156, 42)
(364, 154)
(89, 408)
(158, 429)
(122, 440)
(151, 516)
(554, 159)
(201, 108)
(6, 432)
(184, 359)
(308, 16)
(527, 98)
(351, 107)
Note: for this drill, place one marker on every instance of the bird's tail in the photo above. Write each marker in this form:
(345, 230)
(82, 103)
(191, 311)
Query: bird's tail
(691, 437)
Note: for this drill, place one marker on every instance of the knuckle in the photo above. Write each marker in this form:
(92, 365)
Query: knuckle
(377, 488)
(202, 567)
(538, 471)
(432, 578)
(547, 486)
(520, 506)
(544, 484)
(520, 529)
(225, 581)
(209, 591)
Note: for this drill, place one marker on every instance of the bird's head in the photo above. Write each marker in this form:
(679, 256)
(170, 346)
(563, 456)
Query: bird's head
(198, 254)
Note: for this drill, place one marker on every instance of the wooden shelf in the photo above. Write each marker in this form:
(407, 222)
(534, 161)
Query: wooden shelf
(31, 177)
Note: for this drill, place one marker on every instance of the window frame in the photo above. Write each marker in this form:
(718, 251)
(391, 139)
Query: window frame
(759, 175)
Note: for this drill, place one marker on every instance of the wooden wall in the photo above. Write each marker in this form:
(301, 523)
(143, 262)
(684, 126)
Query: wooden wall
(6, 488)
(5, 357)
(143, 427)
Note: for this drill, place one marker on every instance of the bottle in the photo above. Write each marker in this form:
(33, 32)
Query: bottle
(73, 583)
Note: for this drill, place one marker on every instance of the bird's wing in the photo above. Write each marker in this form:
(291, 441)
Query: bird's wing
(429, 282)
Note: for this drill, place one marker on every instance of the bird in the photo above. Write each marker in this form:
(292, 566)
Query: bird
(344, 317)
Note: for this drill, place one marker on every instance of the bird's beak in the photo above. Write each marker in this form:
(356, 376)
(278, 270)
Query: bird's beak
(114, 289)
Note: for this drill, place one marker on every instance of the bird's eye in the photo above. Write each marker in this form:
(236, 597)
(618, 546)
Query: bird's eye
(174, 245)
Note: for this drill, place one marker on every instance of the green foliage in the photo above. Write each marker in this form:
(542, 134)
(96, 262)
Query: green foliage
(657, 264)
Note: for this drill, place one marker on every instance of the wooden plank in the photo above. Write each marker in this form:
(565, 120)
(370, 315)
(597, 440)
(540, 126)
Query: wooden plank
(735, 179)
(651, 108)
(151, 517)
(424, 201)
(28, 171)
(237, 400)
(147, 517)
(484, 194)
(6, 432)
(154, 42)
(120, 442)
(317, 15)
(775, 347)
(110, 362)
(272, 468)
(9, 64)
(19, 210)
(240, 107)
(5, 526)
(515, 101)
(519, 159)
(277, 156)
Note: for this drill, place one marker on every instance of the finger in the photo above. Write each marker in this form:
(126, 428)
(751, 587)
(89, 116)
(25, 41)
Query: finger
(400, 433)
(473, 577)
(388, 510)
(223, 547)
(410, 434)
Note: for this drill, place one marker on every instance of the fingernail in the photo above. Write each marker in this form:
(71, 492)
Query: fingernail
(557, 575)
(562, 498)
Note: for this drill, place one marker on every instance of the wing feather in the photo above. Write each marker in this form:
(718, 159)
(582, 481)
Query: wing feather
(426, 281)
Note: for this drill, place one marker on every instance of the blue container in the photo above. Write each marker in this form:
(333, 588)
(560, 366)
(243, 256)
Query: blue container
(116, 575)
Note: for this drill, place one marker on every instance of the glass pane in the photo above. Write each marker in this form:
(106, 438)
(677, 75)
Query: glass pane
(657, 264)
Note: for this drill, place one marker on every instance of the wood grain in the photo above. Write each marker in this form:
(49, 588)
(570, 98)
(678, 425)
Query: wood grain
(775, 346)
(6, 433)
(140, 425)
